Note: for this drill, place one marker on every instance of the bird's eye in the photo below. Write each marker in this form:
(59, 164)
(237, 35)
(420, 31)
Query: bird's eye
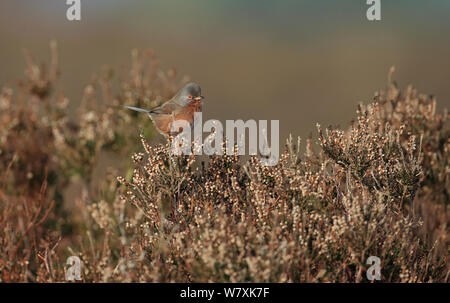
(190, 96)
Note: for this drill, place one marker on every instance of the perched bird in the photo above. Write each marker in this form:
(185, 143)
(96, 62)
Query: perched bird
(182, 106)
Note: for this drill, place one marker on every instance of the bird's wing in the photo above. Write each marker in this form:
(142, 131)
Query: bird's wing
(137, 109)
(165, 109)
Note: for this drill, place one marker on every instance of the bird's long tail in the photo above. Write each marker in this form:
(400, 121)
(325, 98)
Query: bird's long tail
(137, 109)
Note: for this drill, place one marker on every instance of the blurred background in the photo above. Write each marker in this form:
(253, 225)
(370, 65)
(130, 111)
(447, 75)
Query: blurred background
(301, 62)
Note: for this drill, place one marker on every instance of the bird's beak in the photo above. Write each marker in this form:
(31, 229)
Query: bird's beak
(199, 98)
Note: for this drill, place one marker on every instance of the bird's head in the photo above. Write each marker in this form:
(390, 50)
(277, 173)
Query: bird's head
(191, 92)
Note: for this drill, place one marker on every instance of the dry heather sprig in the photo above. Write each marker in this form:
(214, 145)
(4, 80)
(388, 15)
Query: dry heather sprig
(375, 156)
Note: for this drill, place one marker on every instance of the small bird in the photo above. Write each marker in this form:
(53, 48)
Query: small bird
(182, 106)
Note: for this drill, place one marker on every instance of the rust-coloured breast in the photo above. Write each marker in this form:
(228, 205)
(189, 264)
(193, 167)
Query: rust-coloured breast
(188, 112)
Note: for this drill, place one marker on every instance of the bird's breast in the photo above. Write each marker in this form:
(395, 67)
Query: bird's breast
(195, 106)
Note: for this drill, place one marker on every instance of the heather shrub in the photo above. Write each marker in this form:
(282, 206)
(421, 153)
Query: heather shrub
(316, 217)
(312, 218)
